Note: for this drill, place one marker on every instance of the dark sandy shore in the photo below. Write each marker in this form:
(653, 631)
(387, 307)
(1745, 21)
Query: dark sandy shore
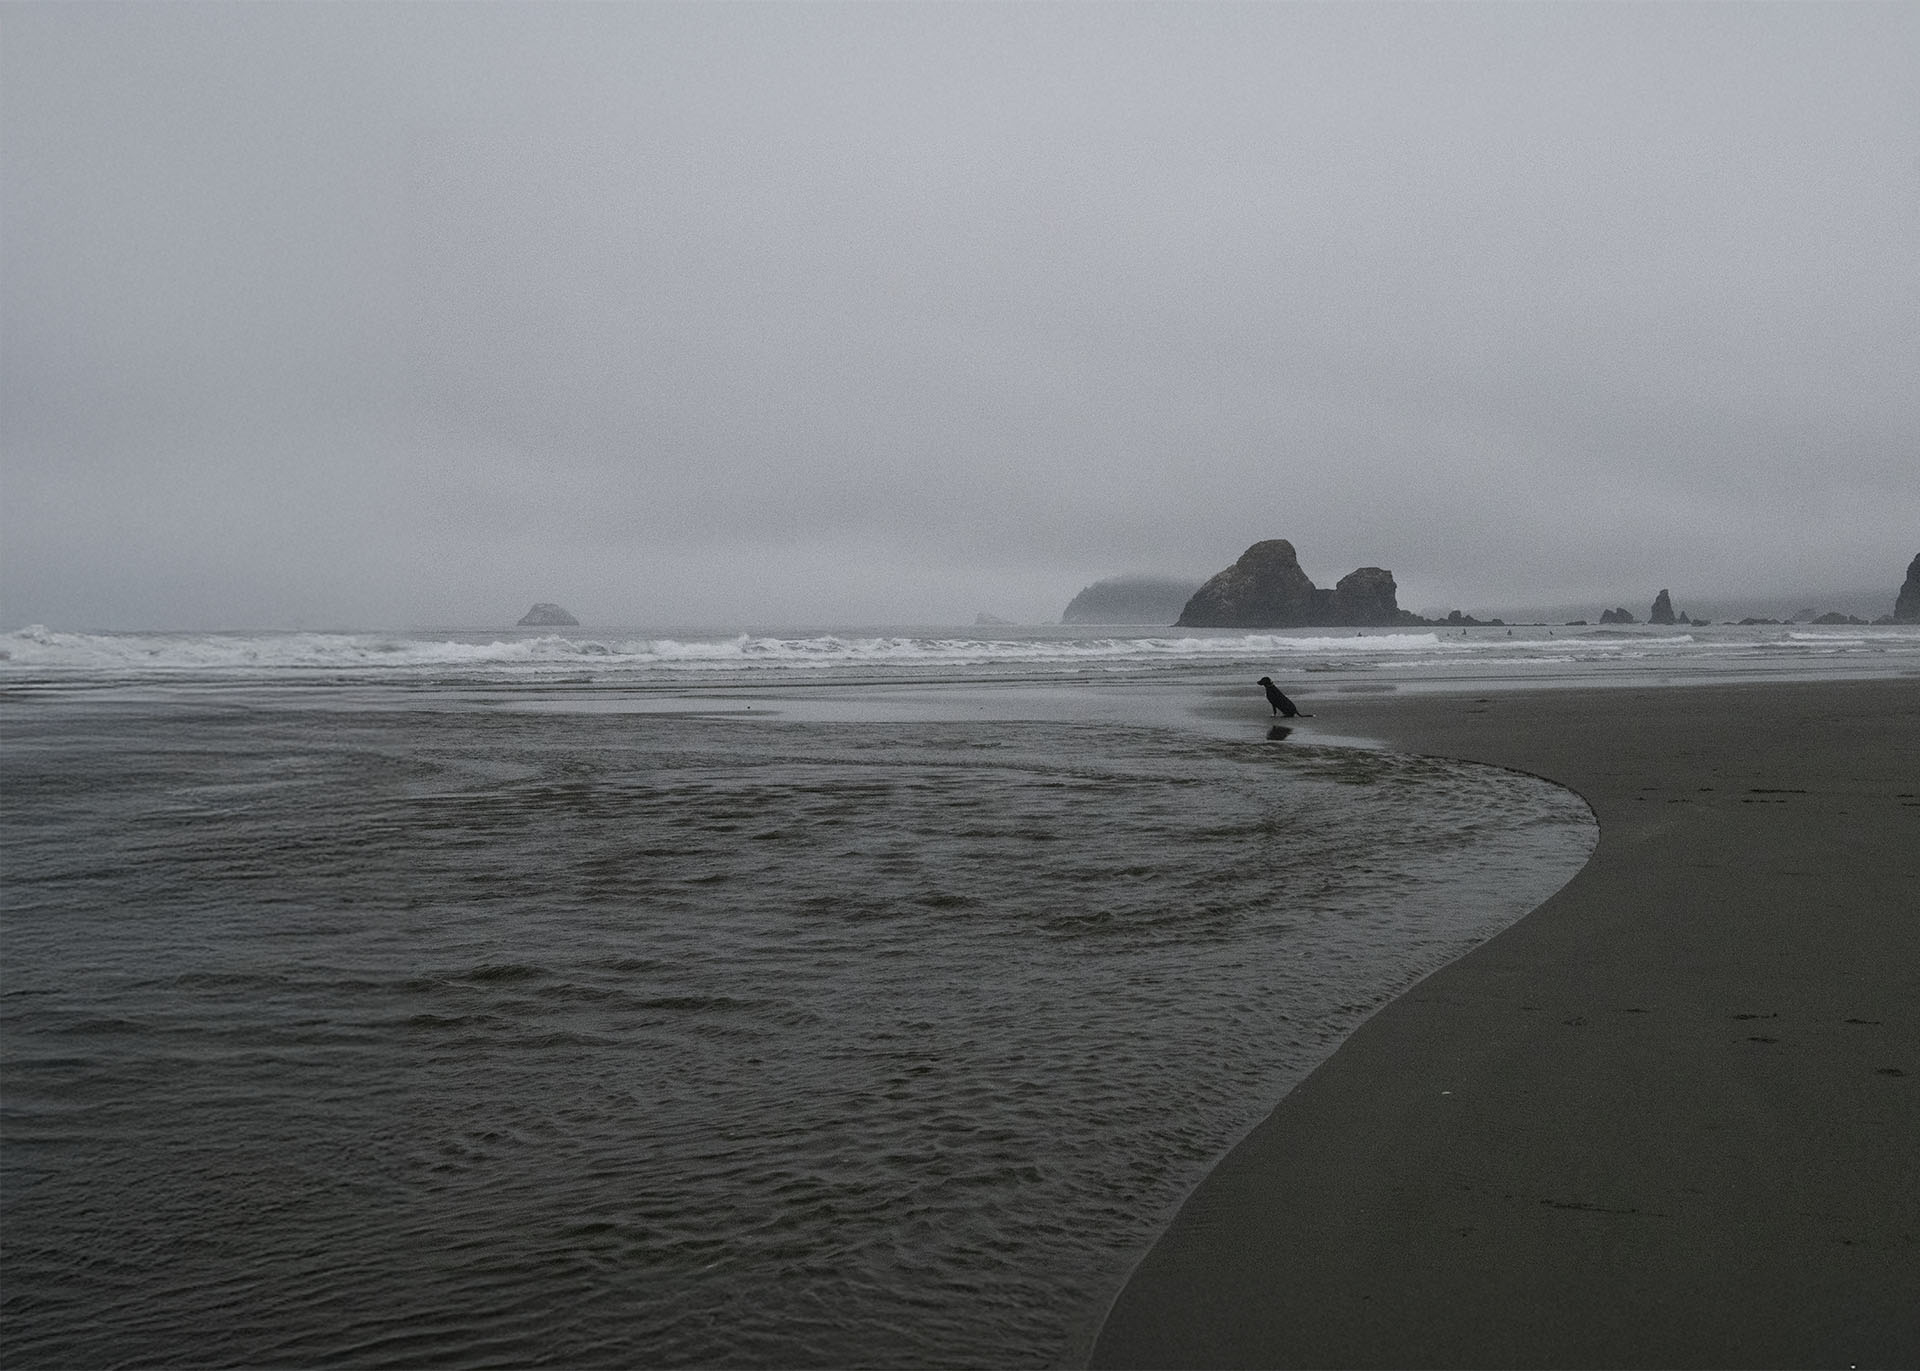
(1672, 1118)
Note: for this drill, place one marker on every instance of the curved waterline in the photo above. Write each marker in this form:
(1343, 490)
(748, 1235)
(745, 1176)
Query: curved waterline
(1172, 1218)
(686, 1028)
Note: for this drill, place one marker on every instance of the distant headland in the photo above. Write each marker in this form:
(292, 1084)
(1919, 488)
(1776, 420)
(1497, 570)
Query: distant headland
(1130, 600)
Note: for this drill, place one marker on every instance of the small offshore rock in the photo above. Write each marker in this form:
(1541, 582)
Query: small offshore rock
(544, 615)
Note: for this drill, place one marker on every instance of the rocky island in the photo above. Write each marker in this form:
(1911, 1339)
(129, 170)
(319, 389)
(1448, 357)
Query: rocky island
(1906, 608)
(544, 615)
(1267, 589)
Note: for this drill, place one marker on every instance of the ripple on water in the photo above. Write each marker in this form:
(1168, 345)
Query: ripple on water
(681, 1042)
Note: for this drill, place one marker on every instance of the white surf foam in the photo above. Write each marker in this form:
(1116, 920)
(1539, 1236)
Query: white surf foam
(41, 651)
(39, 647)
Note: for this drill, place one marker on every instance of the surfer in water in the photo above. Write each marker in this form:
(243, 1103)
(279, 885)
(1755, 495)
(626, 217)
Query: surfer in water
(1281, 704)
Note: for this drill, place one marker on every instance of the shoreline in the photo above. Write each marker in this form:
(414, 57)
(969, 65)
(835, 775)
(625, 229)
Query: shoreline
(1665, 1119)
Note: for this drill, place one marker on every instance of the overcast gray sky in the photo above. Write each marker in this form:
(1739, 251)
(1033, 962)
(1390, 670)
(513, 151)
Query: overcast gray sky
(381, 315)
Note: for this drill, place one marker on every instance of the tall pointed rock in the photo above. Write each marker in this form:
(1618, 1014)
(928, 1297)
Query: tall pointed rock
(1906, 609)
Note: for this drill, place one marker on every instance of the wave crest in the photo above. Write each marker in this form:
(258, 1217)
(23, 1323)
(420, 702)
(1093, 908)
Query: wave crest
(640, 655)
(43, 648)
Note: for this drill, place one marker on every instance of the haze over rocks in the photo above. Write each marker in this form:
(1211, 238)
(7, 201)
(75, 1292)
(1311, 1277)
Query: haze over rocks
(1267, 588)
(1130, 600)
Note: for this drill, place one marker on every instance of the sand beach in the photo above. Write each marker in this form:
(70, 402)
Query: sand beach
(1668, 1119)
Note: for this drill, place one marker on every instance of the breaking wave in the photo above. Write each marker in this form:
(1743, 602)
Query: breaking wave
(640, 656)
(41, 648)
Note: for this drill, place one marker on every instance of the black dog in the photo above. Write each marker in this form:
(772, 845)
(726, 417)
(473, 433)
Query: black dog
(1281, 704)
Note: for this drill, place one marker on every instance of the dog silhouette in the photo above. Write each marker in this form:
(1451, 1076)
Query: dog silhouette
(1281, 704)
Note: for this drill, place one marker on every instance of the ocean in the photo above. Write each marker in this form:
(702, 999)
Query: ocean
(843, 998)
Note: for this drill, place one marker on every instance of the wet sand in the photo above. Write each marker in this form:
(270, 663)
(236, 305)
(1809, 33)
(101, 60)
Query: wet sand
(1672, 1118)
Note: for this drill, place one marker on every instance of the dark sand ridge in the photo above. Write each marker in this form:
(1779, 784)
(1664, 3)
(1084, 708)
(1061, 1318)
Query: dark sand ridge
(1671, 1118)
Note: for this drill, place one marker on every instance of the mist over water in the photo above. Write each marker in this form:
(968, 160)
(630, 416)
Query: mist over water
(423, 1029)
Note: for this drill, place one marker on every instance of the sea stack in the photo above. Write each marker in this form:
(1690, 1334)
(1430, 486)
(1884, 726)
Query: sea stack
(1906, 609)
(1662, 611)
(544, 615)
(1267, 589)
(1366, 595)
